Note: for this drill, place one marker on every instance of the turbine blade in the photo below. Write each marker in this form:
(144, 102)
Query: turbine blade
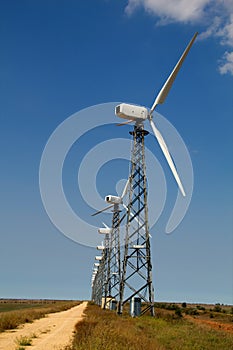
(106, 226)
(100, 211)
(168, 84)
(167, 155)
(125, 189)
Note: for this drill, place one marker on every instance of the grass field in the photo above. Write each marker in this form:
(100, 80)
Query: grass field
(15, 312)
(169, 330)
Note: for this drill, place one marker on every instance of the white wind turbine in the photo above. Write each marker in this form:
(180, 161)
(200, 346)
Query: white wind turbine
(138, 114)
(114, 200)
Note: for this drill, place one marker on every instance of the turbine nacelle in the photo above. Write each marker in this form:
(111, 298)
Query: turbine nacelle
(113, 199)
(105, 230)
(98, 258)
(132, 112)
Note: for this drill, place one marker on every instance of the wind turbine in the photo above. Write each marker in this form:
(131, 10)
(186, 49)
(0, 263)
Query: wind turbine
(136, 278)
(114, 200)
(139, 114)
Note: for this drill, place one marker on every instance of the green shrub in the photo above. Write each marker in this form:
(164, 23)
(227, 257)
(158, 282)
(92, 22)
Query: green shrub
(178, 312)
(23, 340)
(217, 308)
(199, 307)
(192, 312)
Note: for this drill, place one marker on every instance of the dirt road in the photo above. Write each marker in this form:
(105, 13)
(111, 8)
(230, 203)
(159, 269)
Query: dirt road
(53, 332)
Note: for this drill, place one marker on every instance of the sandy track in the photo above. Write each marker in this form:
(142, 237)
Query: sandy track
(53, 332)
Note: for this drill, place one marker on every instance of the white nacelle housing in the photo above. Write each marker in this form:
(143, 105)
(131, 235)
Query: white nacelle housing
(98, 258)
(136, 246)
(105, 230)
(113, 199)
(132, 112)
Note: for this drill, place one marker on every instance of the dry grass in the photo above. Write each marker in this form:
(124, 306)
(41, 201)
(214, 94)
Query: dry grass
(24, 341)
(104, 330)
(12, 319)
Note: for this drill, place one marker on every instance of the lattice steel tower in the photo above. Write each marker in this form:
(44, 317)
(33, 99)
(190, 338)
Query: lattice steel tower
(99, 276)
(136, 280)
(112, 286)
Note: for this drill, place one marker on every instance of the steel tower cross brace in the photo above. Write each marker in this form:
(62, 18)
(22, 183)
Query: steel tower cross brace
(112, 287)
(136, 278)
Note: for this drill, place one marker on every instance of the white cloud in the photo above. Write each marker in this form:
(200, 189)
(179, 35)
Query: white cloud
(215, 16)
(221, 27)
(227, 32)
(170, 10)
(226, 65)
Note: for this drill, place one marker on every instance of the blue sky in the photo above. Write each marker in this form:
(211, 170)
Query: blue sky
(59, 57)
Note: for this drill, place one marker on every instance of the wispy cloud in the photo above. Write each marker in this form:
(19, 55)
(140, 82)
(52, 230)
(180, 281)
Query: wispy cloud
(170, 11)
(215, 16)
(226, 63)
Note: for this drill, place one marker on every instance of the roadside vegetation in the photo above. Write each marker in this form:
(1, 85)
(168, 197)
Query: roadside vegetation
(15, 312)
(171, 329)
